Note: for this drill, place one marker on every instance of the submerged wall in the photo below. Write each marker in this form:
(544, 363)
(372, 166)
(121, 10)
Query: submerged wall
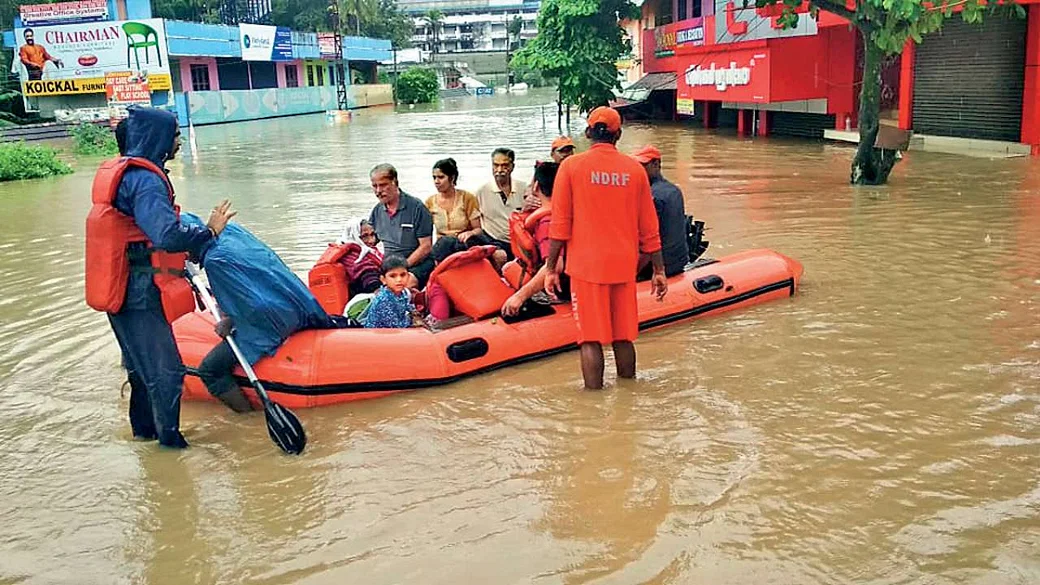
(216, 107)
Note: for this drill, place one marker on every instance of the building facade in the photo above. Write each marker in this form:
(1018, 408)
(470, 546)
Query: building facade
(736, 67)
(470, 25)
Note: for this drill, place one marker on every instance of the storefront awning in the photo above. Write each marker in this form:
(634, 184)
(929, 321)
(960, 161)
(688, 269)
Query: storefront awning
(655, 81)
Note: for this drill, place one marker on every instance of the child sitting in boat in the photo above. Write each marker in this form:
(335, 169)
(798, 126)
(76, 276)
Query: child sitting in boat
(391, 307)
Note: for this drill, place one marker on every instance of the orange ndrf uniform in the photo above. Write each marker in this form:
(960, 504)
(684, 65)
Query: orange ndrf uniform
(604, 211)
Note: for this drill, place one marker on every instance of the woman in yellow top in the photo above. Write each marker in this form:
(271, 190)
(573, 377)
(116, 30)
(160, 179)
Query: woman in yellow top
(455, 212)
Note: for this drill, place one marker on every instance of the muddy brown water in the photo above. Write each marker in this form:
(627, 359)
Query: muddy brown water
(882, 426)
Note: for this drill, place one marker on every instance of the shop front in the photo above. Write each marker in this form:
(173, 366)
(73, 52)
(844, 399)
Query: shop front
(969, 80)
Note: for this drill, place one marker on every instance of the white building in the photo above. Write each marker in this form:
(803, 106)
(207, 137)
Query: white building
(470, 25)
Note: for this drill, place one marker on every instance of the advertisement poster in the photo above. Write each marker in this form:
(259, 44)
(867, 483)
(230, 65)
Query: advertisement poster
(670, 36)
(74, 58)
(265, 43)
(125, 89)
(737, 76)
(63, 12)
(327, 46)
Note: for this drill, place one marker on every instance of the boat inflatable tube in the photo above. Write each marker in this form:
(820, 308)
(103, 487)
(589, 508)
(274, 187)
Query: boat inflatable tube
(323, 367)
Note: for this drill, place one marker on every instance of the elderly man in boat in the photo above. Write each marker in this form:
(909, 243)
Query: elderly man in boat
(402, 222)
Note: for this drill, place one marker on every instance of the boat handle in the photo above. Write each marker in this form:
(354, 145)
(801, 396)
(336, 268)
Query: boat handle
(707, 284)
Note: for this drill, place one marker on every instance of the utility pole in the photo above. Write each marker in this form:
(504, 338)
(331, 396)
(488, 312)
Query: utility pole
(340, 68)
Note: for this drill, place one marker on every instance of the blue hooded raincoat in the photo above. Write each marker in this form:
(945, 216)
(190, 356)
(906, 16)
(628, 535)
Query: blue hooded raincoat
(150, 354)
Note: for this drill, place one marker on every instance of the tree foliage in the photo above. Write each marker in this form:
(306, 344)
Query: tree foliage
(390, 23)
(886, 26)
(579, 43)
(418, 85)
(193, 10)
(94, 140)
(19, 161)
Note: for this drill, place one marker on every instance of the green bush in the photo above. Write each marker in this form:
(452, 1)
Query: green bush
(94, 139)
(20, 161)
(418, 85)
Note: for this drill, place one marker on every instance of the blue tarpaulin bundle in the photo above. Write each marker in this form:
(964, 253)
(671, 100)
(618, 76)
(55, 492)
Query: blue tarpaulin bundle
(266, 302)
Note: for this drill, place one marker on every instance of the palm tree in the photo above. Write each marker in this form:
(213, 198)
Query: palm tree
(434, 19)
(355, 13)
(512, 32)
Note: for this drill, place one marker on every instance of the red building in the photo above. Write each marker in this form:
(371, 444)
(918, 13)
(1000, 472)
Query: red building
(735, 67)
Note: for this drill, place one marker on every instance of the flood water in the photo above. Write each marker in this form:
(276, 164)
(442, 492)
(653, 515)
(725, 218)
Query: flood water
(880, 427)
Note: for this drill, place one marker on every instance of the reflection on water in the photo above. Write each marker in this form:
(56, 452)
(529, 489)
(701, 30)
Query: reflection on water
(883, 426)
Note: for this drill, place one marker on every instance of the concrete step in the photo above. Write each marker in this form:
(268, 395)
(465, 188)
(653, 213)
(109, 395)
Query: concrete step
(35, 132)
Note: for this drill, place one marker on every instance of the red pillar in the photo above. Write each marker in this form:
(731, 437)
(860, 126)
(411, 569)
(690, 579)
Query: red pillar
(1031, 97)
(706, 115)
(906, 86)
(741, 130)
(763, 123)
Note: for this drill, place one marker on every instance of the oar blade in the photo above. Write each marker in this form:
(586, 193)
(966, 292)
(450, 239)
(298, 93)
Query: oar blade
(285, 429)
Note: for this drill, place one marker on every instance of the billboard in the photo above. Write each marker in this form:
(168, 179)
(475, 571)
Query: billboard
(63, 12)
(677, 34)
(327, 48)
(74, 58)
(265, 43)
(735, 76)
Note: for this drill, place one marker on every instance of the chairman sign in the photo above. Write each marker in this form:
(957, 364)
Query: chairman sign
(76, 57)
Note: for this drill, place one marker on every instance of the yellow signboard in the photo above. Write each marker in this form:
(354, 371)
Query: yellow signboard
(45, 87)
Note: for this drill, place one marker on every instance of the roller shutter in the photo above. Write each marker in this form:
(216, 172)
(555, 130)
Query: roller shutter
(799, 124)
(968, 80)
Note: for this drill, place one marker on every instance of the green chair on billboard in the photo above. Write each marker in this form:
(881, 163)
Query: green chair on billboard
(150, 39)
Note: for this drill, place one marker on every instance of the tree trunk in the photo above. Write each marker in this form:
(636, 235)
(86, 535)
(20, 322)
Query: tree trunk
(871, 165)
(395, 76)
(559, 110)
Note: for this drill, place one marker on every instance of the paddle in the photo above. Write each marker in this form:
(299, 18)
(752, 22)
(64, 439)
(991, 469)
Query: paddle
(283, 426)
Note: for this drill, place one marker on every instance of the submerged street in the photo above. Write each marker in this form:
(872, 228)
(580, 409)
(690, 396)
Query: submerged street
(880, 427)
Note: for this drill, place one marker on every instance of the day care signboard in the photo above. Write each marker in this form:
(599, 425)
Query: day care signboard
(265, 43)
(123, 90)
(63, 12)
(736, 76)
(74, 58)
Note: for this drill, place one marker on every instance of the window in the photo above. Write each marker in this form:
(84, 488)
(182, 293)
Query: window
(663, 15)
(683, 9)
(310, 75)
(697, 11)
(292, 75)
(320, 74)
(332, 74)
(200, 77)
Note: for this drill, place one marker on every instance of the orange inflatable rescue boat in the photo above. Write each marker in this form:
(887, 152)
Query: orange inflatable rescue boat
(322, 367)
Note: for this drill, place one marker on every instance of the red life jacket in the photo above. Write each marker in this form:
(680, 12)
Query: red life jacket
(471, 283)
(521, 240)
(109, 232)
(328, 279)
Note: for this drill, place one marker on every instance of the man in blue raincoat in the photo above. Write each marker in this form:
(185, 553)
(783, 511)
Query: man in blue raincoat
(139, 314)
